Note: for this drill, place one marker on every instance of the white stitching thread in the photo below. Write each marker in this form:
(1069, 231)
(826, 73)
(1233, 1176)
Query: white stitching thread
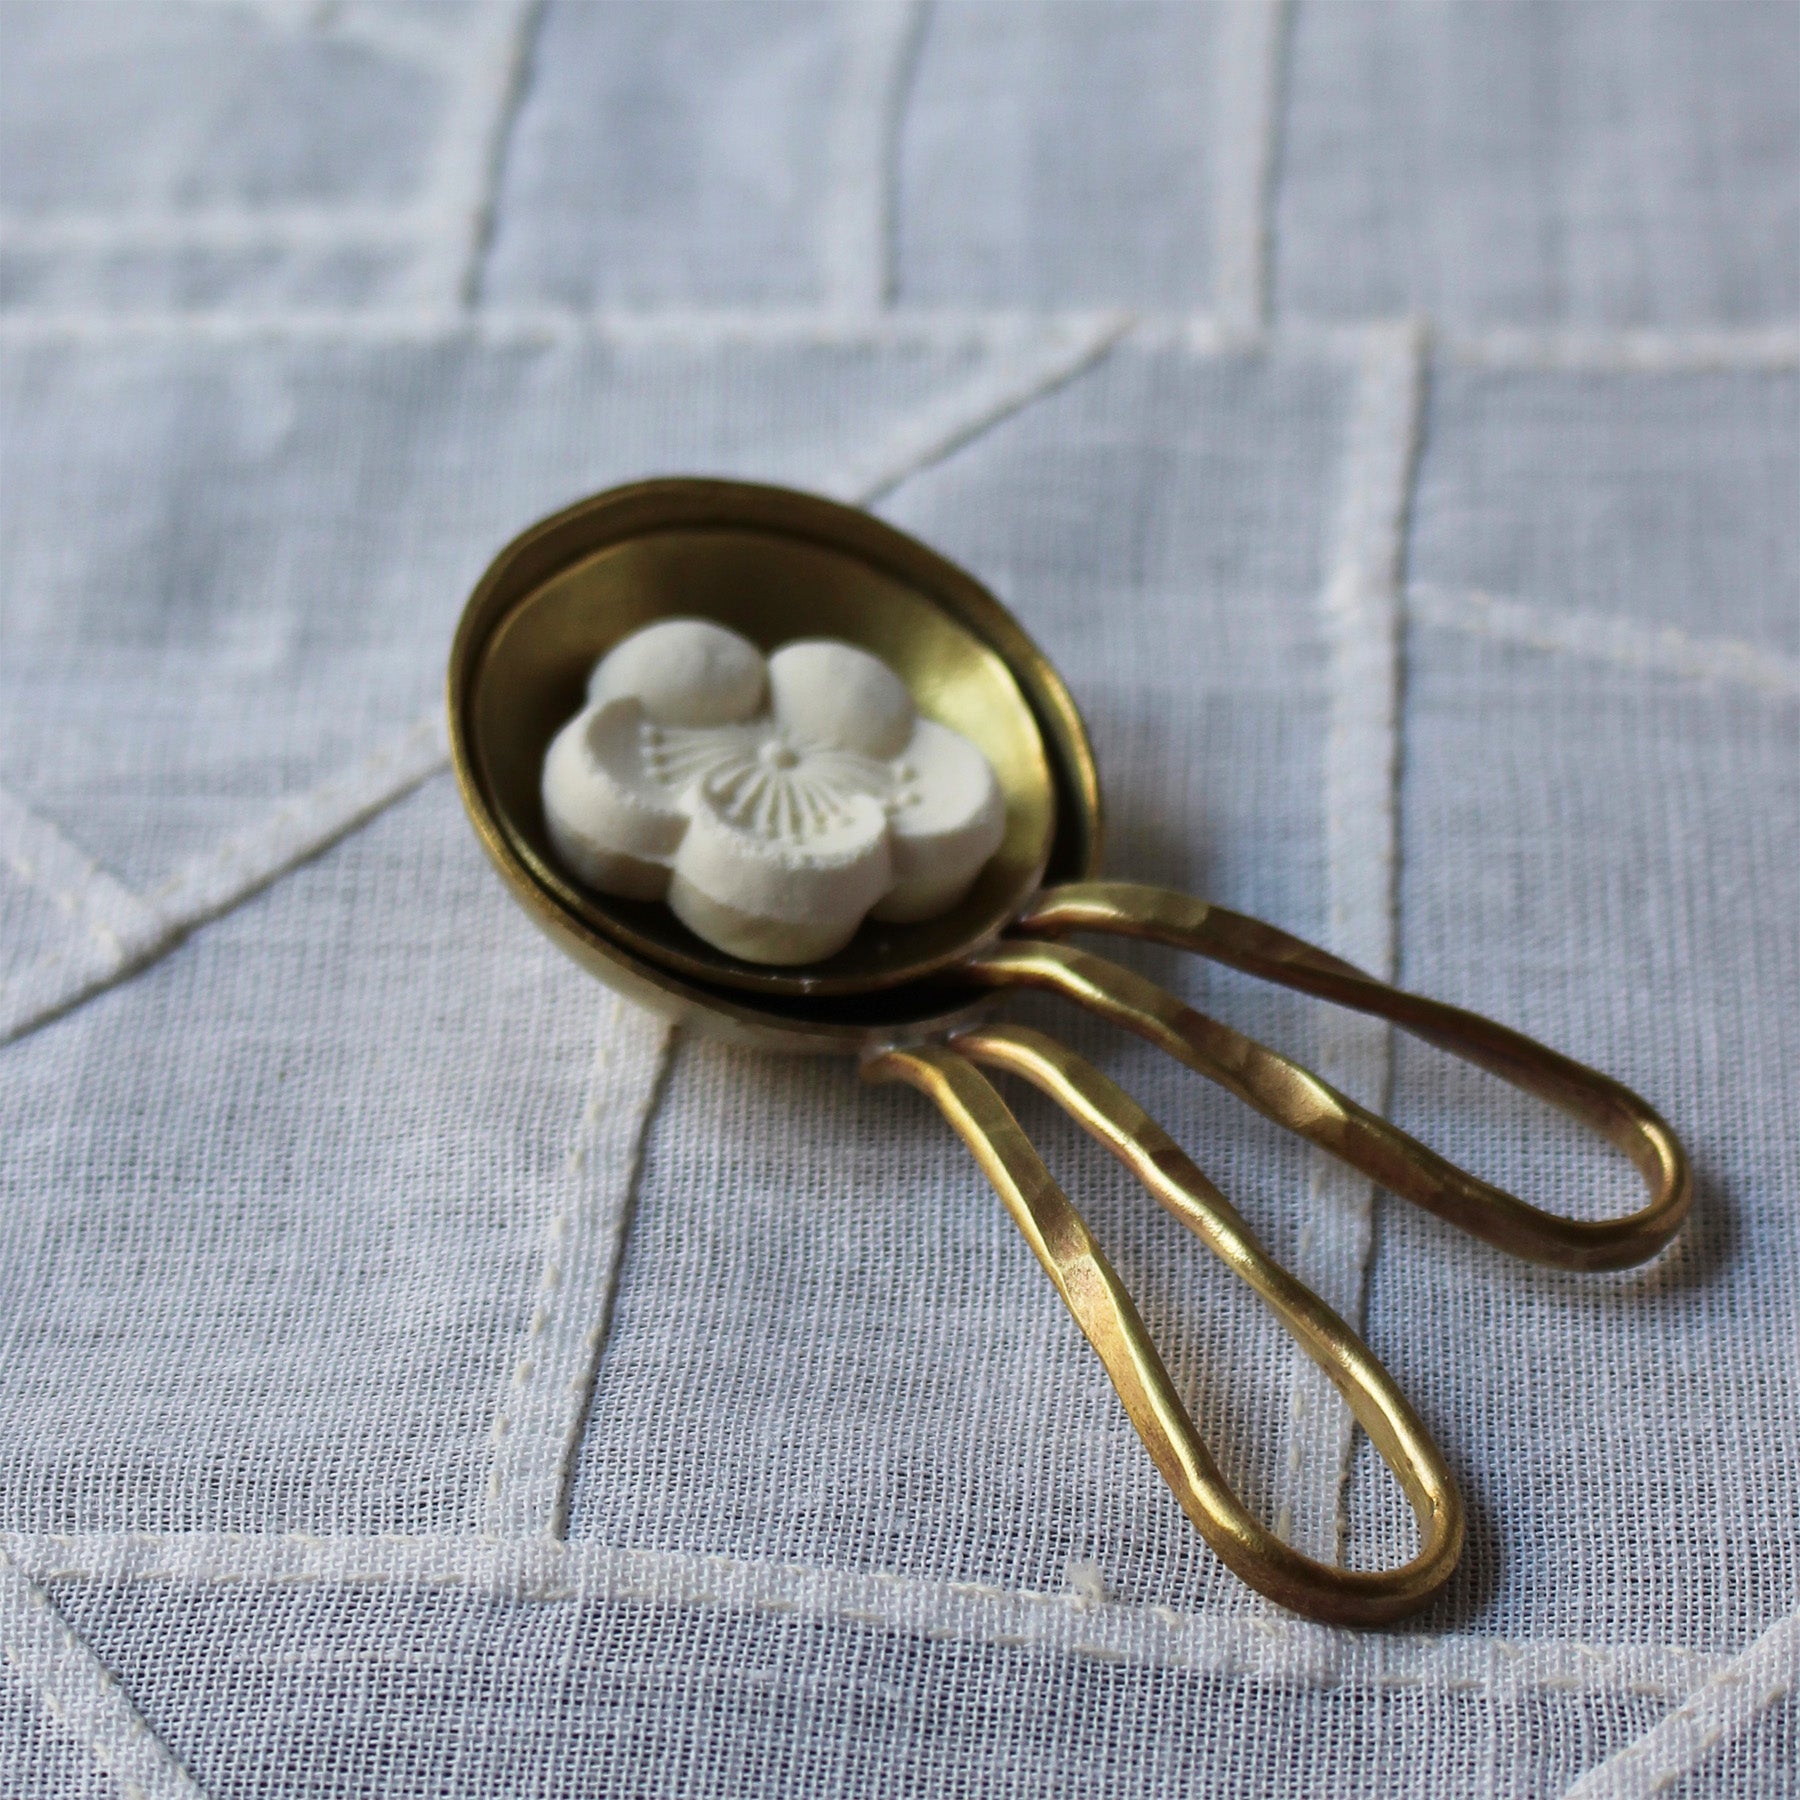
(82, 1695)
(498, 93)
(1256, 1646)
(1246, 130)
(303, 825)
(1720, 1709)
(856, 234)
(113, 919)
(1767, 350)
(695, 328)
(537, 1431)
(1362, 629)
(115, 931)
(1007, 385)
(292, 833)
(294, 228)
(1606, 638)
(1758, 349)
(471, 145)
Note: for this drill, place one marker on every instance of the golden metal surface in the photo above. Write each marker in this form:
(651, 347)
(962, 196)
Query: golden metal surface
(1294, 1097)
(775, 565)
(1104, 1310)
(773, 590)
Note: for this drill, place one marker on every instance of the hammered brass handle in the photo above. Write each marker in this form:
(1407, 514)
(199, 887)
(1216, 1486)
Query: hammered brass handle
(1103, 1309)
(1294, 1097)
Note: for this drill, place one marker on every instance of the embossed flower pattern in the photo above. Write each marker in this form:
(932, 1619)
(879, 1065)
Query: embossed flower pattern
(773, 804)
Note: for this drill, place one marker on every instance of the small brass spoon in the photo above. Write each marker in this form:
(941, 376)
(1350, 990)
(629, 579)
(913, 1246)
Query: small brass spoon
(914, 1002)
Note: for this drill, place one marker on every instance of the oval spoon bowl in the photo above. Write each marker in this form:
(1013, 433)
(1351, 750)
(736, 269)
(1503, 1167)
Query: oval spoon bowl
(775, 565)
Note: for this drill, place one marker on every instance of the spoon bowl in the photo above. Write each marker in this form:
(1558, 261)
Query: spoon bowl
(773, 565)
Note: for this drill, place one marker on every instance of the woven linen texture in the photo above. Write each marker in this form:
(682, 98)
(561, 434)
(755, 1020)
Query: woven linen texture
(425, 1375)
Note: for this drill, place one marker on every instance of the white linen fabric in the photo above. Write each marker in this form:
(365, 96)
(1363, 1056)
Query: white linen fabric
(424, 1374)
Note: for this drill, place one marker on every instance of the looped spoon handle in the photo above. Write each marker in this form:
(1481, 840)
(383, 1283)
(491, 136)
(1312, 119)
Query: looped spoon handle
(1294, 1097)
(1104, 1311)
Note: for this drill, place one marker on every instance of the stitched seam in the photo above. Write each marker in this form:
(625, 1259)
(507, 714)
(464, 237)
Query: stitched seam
(969, 410)
(1771, 349)
(71, 1684)
(1247, 120)
(291, 834)
(293, 228)
(538, 1426)
(1721, 1709)
(509, 99)
(698, 328)
(109, 918)
(302, 825)
(1756, 348)
(1361, 609)
(76, 903)
(857, 231)
(1254, 1646)
(468, 149)
(1605, 638)
(74, 883)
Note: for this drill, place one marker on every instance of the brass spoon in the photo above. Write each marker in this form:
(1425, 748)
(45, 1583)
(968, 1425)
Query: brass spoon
(914, 1002)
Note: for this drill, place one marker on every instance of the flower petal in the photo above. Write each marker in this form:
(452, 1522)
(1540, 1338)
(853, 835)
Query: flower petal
(611, 820)
(833, 694)
(776, 899)
(946, 818)
(771, 834)
(686, 672)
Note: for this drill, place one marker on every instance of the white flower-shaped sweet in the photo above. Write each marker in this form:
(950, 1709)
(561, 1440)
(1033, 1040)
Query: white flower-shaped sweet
(774, 805)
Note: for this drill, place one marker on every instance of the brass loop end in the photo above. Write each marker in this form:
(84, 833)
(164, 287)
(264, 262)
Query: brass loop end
(1295, 1098)
(1104, 1310)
